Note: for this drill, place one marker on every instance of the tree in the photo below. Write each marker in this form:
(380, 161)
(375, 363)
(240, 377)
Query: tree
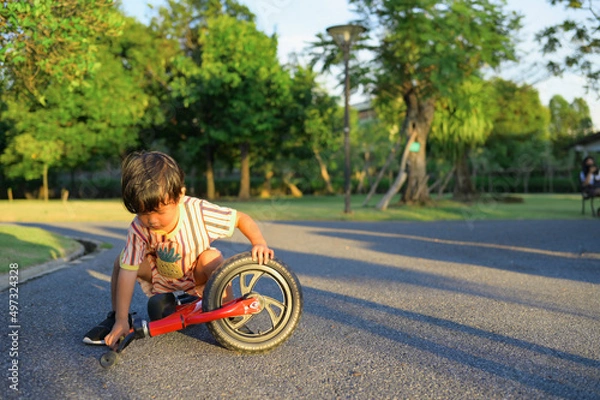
(519, 139)
(516, 110)
(313, 116)
(427, 48)
(98, 118)
(460, 125)
(31, 158)
(387, 109)
(582, 38)
(45, 41)
(244, 87)
(568, 122)
(227, 79)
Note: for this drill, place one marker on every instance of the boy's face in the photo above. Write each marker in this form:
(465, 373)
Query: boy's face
(164, 218)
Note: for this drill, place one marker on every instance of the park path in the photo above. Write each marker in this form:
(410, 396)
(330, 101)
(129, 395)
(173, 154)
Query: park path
(470, 309)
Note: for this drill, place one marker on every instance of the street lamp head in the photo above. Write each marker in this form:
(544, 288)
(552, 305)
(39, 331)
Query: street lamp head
(344, 35)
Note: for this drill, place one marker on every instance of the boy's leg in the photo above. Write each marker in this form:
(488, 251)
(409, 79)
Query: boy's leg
(207, 263)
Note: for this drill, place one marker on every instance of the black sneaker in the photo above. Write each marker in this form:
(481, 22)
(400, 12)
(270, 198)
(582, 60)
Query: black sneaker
(97, 334)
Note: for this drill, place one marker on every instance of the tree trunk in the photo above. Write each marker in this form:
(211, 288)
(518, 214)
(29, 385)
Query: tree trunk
(400, 179)
(324, 172)
(463, 185)
(293, 188)
(245, 172)
(265, 191)
(420, 116)
(442, 182)
(364, 173)
(385, 166)
(210, 174)
(445, 183)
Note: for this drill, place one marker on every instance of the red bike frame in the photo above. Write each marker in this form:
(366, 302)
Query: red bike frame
(192, 314)
(184, 315)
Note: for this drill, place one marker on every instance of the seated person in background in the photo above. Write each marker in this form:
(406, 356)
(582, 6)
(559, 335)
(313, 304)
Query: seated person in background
(590, 177)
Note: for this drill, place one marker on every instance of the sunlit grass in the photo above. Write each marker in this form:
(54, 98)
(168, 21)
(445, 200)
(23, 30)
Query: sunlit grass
(30, 246)
(322, 208)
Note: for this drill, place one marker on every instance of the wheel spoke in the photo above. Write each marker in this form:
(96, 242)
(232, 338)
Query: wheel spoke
(240, 321)
(246, 288)
(270, 305)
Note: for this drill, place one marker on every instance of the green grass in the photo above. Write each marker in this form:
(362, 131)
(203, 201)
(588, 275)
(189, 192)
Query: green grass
(31, 246)
(58, 211)
(538, 206)
(326, 208)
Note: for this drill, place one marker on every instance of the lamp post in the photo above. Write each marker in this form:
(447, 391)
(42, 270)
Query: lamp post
(344, 35)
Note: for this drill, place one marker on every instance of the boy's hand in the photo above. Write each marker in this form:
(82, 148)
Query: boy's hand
(120, 329)
(262, 253)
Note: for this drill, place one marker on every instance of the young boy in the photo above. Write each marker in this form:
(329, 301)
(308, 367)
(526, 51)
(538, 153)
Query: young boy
(168, 243)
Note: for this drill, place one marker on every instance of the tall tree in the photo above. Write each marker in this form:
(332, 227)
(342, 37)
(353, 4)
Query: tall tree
(461, 124)
(313, 116)
(244, 88)
(227, 79)
(568, 122)
(426, 49)
(518, 141)
(98, 118)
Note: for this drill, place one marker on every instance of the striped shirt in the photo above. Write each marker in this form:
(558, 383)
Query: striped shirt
(176, 253)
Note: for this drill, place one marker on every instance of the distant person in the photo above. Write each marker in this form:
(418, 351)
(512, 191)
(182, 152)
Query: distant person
(168, 245)
(590, 177)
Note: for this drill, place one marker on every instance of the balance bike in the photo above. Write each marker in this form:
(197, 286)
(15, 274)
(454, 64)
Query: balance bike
(264, 314)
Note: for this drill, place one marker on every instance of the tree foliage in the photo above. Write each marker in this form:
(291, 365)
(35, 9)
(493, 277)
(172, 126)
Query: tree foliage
(581, 39)
(569, 120)
(81, 84)
(45, 40)
(519, 136)
(97, 118)
(462, 121)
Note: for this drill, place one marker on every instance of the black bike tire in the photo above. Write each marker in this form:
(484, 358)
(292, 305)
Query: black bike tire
(222, 330)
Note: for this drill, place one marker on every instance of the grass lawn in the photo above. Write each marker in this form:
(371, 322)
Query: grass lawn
(31, 246)
(327, 208)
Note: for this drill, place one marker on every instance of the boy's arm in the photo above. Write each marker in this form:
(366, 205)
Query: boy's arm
(125, 288)
(260, 249)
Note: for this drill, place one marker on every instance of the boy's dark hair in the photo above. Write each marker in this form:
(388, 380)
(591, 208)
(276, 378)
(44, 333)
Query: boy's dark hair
(149, 179)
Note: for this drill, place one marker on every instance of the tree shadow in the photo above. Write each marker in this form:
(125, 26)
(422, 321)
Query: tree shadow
(555, 249)
(114, 235)
(73, 300)
(552, 377)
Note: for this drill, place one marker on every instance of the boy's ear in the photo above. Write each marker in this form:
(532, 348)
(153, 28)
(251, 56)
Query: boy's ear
(182, 194)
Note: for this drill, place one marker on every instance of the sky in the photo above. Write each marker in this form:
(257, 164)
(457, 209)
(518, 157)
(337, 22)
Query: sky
(297, 23)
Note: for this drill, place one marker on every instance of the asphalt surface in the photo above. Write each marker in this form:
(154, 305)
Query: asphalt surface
(451, 310)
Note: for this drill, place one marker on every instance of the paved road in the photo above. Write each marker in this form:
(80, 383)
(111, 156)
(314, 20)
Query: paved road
(488, 310)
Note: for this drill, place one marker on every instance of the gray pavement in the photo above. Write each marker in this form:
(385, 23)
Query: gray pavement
(473, 310)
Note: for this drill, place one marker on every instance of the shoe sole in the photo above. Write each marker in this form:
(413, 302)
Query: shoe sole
(100, 342)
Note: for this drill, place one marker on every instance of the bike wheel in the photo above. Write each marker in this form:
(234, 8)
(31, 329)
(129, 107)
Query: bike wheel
(273, 284)
(108, 359)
